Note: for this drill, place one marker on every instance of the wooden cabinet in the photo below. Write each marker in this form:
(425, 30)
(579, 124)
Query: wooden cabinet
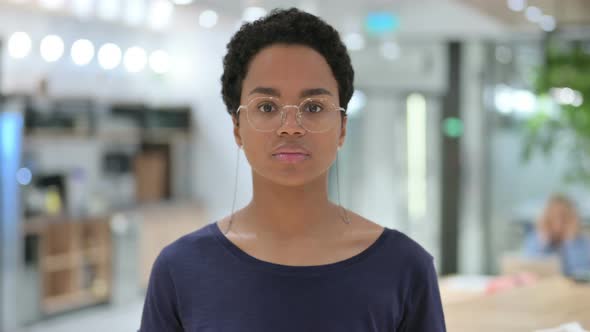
(75, 264)
(151, 177)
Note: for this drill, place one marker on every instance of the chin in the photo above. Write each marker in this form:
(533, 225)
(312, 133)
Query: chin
(291, 178)
(290, 182)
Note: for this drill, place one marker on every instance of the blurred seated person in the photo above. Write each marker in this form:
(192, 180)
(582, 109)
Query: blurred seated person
(558, 233)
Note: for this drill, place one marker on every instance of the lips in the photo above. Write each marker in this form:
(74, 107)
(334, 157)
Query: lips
(291, 154)
(290, 157)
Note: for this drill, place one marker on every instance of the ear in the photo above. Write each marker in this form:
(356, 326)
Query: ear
(342, 131)
(236, 130)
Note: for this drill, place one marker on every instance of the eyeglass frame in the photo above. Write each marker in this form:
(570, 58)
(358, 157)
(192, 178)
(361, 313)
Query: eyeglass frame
(283, 117)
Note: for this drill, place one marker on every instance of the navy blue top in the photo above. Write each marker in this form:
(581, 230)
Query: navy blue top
(203, 282)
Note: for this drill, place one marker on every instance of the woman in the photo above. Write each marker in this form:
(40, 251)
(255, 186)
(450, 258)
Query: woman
(291, 260)
(558, 233)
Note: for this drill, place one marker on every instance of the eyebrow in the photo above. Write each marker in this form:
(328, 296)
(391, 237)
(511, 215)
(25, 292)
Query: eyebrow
(266, 91)
(305, 93)
(314, 92)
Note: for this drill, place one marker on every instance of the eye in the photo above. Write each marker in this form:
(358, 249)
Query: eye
(267, 107)
(313, 107)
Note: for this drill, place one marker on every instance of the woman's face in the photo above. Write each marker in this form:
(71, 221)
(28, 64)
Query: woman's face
(560, 218)
(291, 74)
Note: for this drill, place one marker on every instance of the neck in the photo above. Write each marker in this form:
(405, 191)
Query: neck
(291, 212)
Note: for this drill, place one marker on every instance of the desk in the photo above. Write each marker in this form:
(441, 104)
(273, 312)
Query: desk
(548, 303)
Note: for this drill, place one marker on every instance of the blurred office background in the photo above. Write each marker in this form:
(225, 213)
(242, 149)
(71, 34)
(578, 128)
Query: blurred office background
(114, 140)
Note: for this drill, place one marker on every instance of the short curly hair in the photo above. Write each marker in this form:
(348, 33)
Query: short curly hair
(284, 26)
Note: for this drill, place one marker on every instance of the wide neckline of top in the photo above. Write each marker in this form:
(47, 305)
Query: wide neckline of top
(296, 269)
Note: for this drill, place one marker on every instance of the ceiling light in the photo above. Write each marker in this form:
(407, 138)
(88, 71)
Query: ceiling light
(135, 12)
(208, 19)
(82, 8)
(517, 5)
(160, 14)
(533, 14)
(109, 10)
(51, 4)
(135, 59)
(548, 23)
(109, 56)
(52, 48)
(356, 103)
(354, 41)
(82, 52)
(19, 45)
(251, 14)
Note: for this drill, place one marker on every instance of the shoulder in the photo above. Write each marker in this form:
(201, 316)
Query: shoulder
(398, 248)
(408, 248)
(189, 247)
(410, 256)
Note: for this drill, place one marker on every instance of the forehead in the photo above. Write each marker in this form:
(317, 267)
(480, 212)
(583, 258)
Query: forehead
(286, 67)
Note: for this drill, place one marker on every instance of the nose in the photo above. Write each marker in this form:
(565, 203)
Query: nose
(290, 125)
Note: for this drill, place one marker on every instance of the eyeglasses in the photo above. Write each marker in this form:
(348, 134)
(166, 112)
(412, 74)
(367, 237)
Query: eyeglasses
(313, 114)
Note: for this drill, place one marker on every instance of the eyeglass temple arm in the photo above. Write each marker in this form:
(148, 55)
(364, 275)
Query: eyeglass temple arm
(237, 114)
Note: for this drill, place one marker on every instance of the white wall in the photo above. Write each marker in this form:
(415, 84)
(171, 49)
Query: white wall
(474, 158)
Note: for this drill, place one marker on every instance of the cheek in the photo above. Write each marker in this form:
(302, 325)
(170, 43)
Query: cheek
(327, 146)
(257, 147)
(337, 136)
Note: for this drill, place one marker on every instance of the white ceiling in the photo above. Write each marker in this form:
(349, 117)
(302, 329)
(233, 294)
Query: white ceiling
(420, 19)
(567, 12)
(423, 17)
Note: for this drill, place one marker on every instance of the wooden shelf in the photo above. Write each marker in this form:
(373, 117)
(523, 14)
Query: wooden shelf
(75, 265)
(94, 250)
(36, 225)
(72, 260)
(59, 262)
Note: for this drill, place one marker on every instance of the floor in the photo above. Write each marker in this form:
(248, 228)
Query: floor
(119, 318)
